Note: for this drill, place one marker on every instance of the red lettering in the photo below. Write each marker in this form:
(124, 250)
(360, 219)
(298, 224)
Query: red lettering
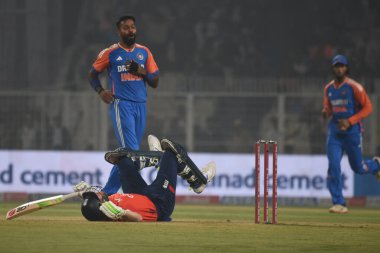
(129, 77)
(339, 109)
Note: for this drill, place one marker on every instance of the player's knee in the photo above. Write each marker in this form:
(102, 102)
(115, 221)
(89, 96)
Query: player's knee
(333, 168)
(126, 164)
(169, 155)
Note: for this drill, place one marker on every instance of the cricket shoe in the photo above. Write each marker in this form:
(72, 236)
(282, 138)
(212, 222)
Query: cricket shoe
(154, 143)
(338, 209)
(377, 159)
(177, 149)
(209, 172)
(141, 161)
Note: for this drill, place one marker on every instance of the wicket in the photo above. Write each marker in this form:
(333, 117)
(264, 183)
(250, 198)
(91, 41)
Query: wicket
(266, 181)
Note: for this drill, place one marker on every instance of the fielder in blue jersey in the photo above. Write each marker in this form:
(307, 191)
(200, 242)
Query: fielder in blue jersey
(347, 103)
(130, 67)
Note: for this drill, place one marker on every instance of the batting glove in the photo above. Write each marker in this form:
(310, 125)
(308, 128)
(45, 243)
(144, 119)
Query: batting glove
(82, 186)
(112, 211)
(132, 66)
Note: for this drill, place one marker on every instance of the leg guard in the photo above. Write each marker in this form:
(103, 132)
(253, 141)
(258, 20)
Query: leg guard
(193, 174)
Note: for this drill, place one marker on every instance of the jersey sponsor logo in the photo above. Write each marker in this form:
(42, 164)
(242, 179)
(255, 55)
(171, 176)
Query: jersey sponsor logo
(339, 109)
(119, 58)
(338, 102)
(121, 68)
(129, 77)
(140, 56)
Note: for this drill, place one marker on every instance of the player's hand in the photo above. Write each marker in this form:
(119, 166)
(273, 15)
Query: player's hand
(325, 114)
(82, 186)
(132, 66)
(112, 211)
(135, 68)
(343, 124)
(106, 96)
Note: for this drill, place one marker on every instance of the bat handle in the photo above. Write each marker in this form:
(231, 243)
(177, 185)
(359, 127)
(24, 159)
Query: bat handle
(71, 195)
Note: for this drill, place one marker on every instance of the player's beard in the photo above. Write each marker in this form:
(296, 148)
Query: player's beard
(129, 40)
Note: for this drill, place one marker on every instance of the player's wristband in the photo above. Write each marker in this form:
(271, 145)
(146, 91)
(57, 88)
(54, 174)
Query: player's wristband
(95, 82)
(99, 89)
(149, 77)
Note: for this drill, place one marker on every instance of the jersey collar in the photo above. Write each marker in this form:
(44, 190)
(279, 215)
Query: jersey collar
(126, 49)
(338, 85)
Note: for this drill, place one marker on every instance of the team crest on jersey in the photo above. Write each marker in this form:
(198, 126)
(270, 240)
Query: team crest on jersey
(140, 56)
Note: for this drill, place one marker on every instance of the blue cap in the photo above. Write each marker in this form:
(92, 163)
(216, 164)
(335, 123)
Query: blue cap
(340, 59)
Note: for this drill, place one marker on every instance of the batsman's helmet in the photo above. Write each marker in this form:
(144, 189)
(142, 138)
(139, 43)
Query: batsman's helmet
(90, 207)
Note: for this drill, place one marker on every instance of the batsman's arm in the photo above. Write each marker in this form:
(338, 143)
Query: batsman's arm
(131, 216)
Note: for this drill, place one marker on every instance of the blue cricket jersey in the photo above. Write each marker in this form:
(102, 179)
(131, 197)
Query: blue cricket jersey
(124, 85)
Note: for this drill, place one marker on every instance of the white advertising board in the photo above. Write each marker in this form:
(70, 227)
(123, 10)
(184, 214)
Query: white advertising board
(57, 171)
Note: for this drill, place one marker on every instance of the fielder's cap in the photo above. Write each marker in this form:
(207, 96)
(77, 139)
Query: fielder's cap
(339, 59)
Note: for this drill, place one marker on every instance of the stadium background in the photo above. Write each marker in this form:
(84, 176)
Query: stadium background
(231, 72)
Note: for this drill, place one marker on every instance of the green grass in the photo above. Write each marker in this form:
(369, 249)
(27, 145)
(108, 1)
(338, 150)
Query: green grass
(211, 228)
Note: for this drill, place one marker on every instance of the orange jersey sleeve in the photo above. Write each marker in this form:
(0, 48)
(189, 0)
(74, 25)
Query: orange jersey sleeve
(102, 61)
(326, 102)
(362, 98)
(151, 65)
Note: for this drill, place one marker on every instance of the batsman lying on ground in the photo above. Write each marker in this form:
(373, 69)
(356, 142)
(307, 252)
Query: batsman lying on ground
(140, 201)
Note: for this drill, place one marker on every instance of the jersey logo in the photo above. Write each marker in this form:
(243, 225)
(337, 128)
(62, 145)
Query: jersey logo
(140, 56)
(119, 58)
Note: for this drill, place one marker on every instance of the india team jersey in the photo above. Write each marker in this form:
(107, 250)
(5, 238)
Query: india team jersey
(347, 100)
(124, 85)
(136, 203)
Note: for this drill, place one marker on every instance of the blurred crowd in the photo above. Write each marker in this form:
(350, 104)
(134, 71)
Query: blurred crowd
(246, 38)
(258, 47)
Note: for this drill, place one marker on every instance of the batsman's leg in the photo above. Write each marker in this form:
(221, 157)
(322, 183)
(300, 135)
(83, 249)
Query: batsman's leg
(130, 178)
(188, 170)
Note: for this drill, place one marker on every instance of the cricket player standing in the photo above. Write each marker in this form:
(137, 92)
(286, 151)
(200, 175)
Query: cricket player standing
(347, 102)
(130, 66)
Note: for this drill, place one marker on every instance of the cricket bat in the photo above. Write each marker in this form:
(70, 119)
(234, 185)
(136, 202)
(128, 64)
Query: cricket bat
(38, 204)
